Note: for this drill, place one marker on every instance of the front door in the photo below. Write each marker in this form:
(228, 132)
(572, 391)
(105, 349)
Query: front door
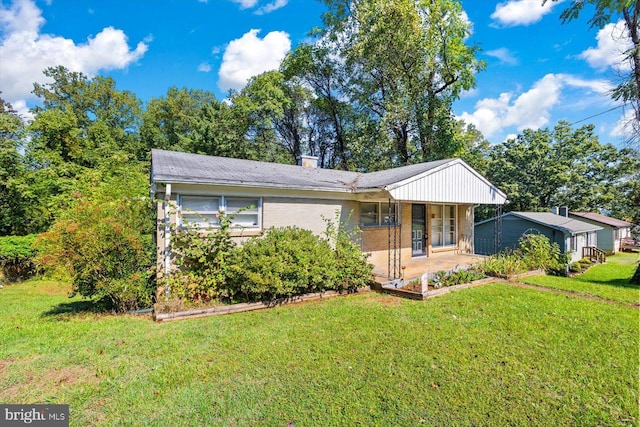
(418, 230)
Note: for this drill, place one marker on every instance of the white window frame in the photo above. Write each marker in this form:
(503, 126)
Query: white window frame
(442, 231)
(381, 218)
(222, 203)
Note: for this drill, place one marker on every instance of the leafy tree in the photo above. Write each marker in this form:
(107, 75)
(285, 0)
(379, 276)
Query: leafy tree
(562, 166)
(220, 130)
(605, 11)
(83, 121)
(273, 116)
(103, 239)
(329, 117)
(170, 122)
(406, 61)
(12, 207)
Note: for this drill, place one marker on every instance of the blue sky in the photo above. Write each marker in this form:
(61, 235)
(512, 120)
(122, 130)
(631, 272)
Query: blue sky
(538, 70)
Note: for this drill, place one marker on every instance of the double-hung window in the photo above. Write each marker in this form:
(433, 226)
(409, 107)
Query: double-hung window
(374, 214)
(204, 211)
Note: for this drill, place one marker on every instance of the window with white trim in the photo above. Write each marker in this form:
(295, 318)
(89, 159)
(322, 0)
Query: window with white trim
(375, 214)
(444, 225)
(204, 211)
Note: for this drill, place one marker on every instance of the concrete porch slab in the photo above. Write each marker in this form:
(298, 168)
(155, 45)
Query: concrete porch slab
(432, 264)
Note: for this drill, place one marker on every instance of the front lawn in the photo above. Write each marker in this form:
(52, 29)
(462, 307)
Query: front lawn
(610, 280)
(492, 355)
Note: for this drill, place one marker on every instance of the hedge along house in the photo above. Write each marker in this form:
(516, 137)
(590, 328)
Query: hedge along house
(612, 232)
(571, 235)
(405, 213)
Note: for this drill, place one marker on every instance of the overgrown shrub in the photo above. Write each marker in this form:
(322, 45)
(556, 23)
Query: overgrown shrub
(103, 240)
(285, 262)
(539, 253)
(204, 259)
(353, 271)
(504, 264)
(17, 257)
(535, 252)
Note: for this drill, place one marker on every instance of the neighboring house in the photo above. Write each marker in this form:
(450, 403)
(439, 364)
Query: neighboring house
(570, 234)
(612, 232)
(406, 212)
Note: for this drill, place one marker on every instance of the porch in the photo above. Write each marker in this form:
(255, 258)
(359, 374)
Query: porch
(417, 266)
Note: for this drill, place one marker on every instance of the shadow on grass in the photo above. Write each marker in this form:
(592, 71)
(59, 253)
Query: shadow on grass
(66, 309)
(617, 282)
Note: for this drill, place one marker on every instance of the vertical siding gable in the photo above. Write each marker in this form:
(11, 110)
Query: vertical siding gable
(452, 184)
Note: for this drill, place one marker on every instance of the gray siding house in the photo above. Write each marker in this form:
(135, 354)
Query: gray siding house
(612, 232)
(404, 213)
(570, 234)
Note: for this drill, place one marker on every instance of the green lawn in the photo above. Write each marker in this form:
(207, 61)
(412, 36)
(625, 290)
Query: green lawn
(610, 280)
(491, 355)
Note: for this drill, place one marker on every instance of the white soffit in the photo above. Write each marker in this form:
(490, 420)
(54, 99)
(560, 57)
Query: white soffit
(455, 182)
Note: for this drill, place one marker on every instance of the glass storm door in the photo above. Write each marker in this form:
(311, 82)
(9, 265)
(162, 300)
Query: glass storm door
(418, 230)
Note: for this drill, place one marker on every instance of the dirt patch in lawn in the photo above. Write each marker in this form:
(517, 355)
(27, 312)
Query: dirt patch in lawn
(388, 301)
(37, 385)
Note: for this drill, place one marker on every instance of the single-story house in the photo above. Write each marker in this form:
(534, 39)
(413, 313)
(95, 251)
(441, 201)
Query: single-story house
(612, 232)
(404, 213)
(570, 234)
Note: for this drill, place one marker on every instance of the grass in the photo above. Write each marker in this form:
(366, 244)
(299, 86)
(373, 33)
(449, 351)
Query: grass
(492, 355)
(610, 280)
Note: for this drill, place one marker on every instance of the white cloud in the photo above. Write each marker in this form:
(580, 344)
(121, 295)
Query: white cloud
(521, 12)
(613, 41)
(625, 125)
(205, 67)
(249, 56)
(26, 53)
(270, 7)
(504, 55)
(246, 4)
(531, 109)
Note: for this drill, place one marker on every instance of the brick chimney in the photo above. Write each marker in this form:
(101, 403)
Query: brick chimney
(308, 161)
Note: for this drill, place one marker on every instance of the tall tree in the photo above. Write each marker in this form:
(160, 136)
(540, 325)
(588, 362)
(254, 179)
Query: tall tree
(330, 116)
(12, 215)
(407, 60)
(169, 122)
(562, 166)
(604, 12)
(83, 121)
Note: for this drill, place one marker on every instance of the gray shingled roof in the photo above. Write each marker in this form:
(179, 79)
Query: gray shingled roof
(602, 219)
(386, 177)
(176, 167)
(559, 222)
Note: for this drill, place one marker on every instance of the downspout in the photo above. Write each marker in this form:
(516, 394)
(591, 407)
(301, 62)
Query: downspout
(167, 237)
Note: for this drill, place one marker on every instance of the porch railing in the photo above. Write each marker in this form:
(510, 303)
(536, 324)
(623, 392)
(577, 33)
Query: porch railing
(594, 254)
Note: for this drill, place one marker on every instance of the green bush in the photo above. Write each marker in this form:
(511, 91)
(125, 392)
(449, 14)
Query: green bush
(353, 271)
(204, 259)
(504, 264)
(103, 240)
(17, 257)
(576, 267)
(285, 262)
(535, 252)
(539, 253)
